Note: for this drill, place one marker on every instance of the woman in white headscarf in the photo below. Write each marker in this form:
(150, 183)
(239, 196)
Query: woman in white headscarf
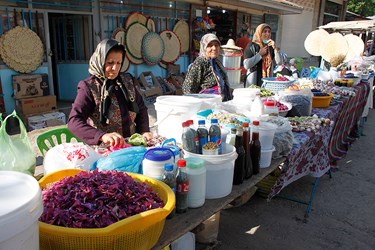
(206, 74)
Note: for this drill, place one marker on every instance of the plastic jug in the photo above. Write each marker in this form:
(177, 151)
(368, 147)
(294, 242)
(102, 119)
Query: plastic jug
(154, 161)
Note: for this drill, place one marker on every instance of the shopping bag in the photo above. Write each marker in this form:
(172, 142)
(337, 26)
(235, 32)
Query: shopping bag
(16, 152)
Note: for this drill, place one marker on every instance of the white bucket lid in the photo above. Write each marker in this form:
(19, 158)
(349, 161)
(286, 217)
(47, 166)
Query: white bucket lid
(21, 202)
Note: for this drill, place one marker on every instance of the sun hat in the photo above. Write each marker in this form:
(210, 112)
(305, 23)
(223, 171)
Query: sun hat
(356, 46)
(334, 49)
(314, 40)
(292, 61)
(231, 45)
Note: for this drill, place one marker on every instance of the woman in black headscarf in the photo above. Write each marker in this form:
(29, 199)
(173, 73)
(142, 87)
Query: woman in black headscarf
(108, 107)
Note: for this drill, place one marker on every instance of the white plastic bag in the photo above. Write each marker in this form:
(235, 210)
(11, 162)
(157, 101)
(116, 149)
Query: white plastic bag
(69, 155)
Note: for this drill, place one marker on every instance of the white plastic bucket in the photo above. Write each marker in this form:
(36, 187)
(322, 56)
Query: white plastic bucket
(266, 157)
(220, 168)
(234, 77)
(154, 161)
(266, 133)
(244, 96)
(20, 208)
(232, 61)
(172, 110)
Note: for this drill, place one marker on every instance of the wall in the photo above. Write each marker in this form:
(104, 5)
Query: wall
(6, 81)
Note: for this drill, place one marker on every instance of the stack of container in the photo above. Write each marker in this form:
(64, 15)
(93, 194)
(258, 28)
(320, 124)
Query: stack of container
(232, 63)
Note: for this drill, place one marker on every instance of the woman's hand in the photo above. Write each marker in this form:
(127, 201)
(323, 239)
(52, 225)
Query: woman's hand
(271, 43)
(263, 51)
(147, 135)
(113, 139)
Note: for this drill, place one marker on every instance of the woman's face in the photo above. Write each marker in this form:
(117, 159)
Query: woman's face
(112, 64)
(266, 34)
(213, 49)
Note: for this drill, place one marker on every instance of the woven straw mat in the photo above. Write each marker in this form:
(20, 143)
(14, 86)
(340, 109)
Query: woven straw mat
(152, 48)
(313, 41)
(119, 35)
(21, 49)
(151, 25)
(134, 36)
(335, 45)
(182, 31)
(172, 45)
(135, 17)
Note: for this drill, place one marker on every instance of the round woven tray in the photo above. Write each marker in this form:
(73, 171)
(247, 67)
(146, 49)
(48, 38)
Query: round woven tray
(134, 35)
(135, 17)
(173, 45)
(151, 25)
(119, 35)
(152, 48)
(182, 31)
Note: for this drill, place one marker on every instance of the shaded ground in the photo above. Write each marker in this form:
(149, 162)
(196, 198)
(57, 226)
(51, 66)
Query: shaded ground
(342, 214)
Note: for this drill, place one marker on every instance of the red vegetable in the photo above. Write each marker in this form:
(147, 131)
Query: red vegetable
(96, 199)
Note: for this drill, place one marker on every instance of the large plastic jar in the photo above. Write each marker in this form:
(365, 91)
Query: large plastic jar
(20, 208)
(154, 161)
(196, 171)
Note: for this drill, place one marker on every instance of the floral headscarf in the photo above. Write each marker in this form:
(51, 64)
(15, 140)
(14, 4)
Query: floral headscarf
(205, 40)
(266, 59)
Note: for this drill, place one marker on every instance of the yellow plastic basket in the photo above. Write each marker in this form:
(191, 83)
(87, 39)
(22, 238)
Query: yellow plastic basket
(321, 101)
(140, 231)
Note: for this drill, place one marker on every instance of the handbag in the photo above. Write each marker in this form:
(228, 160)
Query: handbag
(16, 152)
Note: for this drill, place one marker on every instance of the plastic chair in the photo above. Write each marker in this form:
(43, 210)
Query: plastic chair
(54, 137)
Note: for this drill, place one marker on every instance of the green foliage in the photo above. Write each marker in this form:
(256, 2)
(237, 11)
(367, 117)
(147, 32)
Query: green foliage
(362, 7)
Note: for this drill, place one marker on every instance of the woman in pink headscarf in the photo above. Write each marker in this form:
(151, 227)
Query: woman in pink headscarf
(259, 56)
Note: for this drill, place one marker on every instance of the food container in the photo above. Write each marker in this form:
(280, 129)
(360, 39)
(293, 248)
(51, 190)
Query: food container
(154, 161)
(140, 231)
(270, 106)
(266, 157)
(321, 101)
(196, 172)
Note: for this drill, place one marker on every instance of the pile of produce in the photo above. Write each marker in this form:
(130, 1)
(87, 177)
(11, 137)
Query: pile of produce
(308, 123)
(263, 92)
(96, 199)
(224, 118)
(330, 87)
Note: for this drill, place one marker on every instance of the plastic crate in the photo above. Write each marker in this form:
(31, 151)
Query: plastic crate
(141, 231)
(275, 86)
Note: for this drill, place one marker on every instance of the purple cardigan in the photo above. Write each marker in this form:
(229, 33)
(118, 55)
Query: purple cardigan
(84, 106)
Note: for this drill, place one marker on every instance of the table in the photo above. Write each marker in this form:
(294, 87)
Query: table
(183, 223)
(314, 153)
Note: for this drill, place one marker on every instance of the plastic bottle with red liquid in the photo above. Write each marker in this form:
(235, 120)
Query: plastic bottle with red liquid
(255, 147)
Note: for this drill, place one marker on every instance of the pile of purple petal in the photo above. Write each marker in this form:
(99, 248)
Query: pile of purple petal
(96, 199)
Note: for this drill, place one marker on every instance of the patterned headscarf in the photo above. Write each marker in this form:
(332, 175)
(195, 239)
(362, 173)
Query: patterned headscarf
(205, 40)
(266, 59)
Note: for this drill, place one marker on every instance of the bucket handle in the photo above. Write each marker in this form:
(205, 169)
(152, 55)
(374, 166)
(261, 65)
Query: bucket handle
(154, 149)
(173, 140)
(157, 123)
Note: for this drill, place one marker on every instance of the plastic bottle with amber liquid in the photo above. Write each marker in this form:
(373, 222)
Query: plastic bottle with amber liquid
(246, 145)
(182, 181)
(255, 147)
(239, 164)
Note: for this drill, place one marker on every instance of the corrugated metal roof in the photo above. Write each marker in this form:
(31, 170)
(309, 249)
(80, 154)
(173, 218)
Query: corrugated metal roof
(351, 25)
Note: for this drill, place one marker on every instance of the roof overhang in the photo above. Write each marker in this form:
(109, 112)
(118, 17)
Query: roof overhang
(277, 7)
(363, 25)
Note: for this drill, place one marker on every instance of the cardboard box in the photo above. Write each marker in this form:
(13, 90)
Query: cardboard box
(173, 69)
(36, 105)
(177, 81)
(30, 85)
(150, 84)
(45, 120)
(167, 88)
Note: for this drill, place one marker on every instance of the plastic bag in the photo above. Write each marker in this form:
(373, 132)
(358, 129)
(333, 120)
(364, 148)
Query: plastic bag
(16, 152)
(124, 160)
(70, 155)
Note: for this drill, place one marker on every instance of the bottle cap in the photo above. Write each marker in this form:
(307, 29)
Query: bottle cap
(256, 123)
(214, 120)
(193, 162)
(185, 124)
(181, 163)
(190, 122)
(201, 122)
(245, 124)
(168, 167)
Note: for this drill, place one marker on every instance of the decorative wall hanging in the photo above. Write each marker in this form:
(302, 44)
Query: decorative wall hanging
(182, 31)
(173, 45)
(152, 48)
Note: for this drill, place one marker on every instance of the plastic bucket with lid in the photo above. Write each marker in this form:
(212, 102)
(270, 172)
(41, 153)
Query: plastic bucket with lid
(245, 96)
(196, 172)
(20, 208)
(266, 133)
(234, 77)
(172, 110)
(154, 161)
(220, 168)
(266, 157)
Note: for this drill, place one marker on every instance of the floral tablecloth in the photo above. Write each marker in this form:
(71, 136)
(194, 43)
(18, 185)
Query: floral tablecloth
(312, 153)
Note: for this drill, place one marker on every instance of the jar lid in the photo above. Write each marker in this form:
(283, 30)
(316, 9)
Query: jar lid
(194, 162)
(168, 166)
(270, 104)
(159, 154)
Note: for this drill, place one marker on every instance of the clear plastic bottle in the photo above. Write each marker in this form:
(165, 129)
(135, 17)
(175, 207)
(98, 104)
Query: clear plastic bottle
(246, 145)
(169, 178)
(188, 138)
(239, 164)
(182, 181)
(255, 147)
(196, 139)
(231, 138)
(215, 134)
(202, 134)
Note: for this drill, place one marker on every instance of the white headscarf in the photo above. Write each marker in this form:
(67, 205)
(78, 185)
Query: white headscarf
(205, 40)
